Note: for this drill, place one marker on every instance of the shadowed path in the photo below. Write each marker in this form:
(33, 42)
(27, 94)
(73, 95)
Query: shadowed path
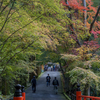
(42, 91)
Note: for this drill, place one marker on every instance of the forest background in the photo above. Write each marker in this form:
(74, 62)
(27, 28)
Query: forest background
(33, 32)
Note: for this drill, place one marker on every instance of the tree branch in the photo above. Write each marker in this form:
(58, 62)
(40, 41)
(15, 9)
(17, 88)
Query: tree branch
(7, 16)
(15, 32)
(20, 51)
(91, 26)
(1, 4)
(15, 11)
(4, 8)
(8, 53)
(73, 32)
(14, 56)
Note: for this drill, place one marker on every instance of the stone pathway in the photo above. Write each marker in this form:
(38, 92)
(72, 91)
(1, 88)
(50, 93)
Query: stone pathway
(42, 91)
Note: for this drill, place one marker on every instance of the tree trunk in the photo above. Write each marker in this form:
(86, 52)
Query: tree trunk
(84, 14)
(89, 92)
(5, 86)
(86, 90)
(65, 79)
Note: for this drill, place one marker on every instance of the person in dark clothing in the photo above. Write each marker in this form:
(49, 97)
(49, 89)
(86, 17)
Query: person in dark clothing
(56, 84)
(48, 80)
(33, 81)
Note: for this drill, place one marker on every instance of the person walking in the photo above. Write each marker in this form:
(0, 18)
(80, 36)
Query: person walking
(48, 80)
(56, 84)
(33, 81)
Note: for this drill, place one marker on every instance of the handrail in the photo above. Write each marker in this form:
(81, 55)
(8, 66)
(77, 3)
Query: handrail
(91, 97)
(79, 96)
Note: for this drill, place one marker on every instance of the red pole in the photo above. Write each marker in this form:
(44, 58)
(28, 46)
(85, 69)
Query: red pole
(78, 93)
(18, 93)
(23, 92)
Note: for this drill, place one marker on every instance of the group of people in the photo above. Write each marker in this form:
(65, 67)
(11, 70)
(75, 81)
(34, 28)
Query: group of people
(51, 68)
(55, 83)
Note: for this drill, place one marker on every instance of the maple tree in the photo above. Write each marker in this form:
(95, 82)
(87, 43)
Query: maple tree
(28, 32)
(84, 32)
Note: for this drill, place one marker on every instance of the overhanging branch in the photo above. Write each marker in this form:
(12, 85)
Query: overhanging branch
(4, 8)
(15, 55)
(15, 32)
(7, 16)
(1, 4)
(91, 26)
(73, 32)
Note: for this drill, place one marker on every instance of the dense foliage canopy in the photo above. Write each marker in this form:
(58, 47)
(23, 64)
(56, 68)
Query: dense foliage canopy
(33, 32)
